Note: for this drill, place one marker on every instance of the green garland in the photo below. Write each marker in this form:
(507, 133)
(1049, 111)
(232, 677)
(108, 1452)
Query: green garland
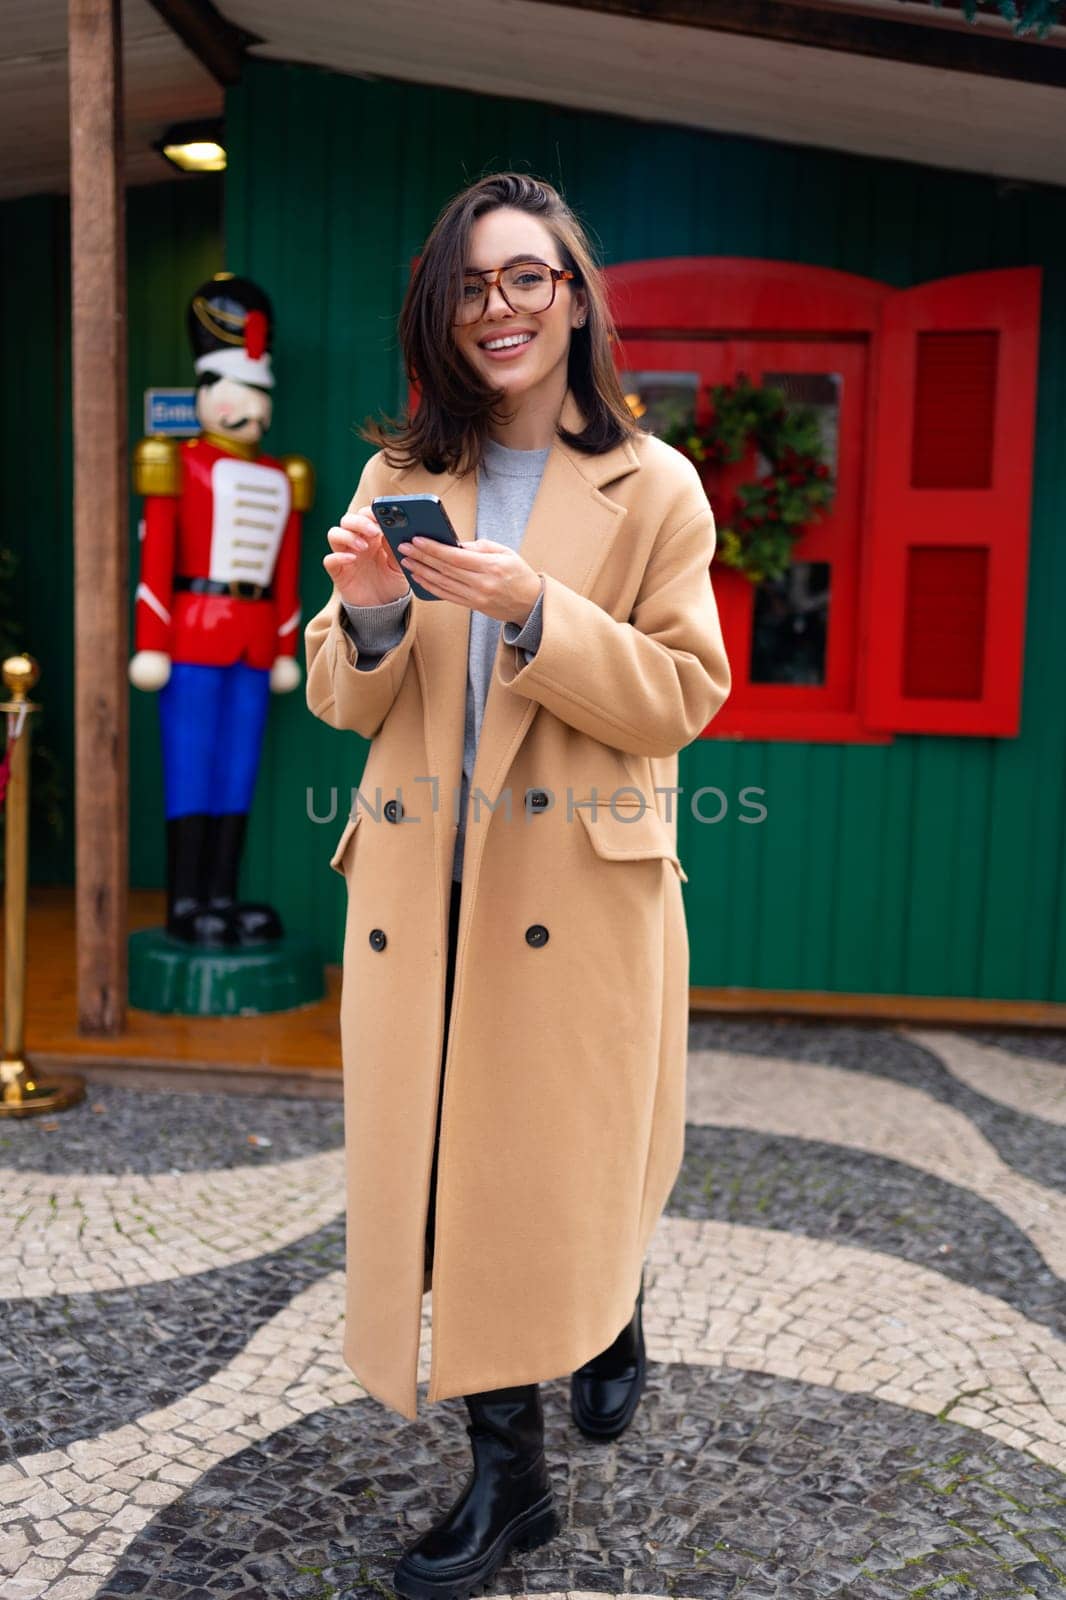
(757, 532)
(1025, 16)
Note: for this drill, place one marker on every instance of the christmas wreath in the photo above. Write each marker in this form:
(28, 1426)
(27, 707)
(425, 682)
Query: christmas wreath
(757, 531)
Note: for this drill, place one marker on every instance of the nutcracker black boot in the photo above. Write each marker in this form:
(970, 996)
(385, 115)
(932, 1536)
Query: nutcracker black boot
(507, 1502)
(189, 917)
(251, 921)
(604, 1392)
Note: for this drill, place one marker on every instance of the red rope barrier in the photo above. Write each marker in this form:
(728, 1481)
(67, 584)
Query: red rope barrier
(14, 730)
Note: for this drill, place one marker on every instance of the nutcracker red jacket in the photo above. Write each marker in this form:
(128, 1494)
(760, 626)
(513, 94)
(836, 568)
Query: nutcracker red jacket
(229, 517)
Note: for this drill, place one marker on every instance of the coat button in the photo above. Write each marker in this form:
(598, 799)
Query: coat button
(393, 810)
(377, 938)
(536, 799)
(537, 934)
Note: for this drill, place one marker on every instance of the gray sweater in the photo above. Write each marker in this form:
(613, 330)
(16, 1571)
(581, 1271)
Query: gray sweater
(507, 485)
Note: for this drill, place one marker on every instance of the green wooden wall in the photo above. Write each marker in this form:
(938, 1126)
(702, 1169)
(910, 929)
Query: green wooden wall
(35, 485)
(174, 234)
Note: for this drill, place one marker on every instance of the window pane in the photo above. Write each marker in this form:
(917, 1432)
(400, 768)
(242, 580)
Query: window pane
(823, 393)
(789, 625)
(667, 397)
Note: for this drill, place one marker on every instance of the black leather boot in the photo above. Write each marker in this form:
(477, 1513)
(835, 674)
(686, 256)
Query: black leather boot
(604, 1392)
(507, 1502)
(252, 920)
(189, 917)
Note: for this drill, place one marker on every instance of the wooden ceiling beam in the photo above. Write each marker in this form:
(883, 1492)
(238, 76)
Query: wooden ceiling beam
(949, 47)
(218, 45)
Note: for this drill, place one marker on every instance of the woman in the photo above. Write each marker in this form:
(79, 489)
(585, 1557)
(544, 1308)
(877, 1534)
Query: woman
(515, 1001)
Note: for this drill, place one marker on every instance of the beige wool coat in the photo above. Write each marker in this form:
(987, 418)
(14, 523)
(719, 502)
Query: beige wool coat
(562, 1124)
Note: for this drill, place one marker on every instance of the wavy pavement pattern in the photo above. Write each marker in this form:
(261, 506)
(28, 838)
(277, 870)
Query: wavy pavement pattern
(857, 1321)
(717, 1295)
(93, 1496)
(103, 1231)
(68, 1234)
(116, 1353)
(827, 1191)
(877, 1115)
(122, 1131)
(727, 1483)
(727, 1304)
(1028, 1084)
(889, 1055)
(101, 1378)
(113, 1354)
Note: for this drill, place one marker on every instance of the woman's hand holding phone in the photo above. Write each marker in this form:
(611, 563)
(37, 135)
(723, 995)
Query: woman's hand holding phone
(361, 564)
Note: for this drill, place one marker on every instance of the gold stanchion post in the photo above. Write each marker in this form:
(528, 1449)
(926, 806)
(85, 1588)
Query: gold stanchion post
(22, 1095)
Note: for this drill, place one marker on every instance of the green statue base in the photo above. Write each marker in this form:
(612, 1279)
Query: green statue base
(168, 975)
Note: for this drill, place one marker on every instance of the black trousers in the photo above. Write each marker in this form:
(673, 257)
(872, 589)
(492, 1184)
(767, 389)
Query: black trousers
(449, 985)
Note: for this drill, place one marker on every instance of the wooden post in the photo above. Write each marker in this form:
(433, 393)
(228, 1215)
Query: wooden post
(101, 555)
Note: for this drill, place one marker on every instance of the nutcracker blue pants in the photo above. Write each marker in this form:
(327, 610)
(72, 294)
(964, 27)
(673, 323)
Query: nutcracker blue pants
(212, 721)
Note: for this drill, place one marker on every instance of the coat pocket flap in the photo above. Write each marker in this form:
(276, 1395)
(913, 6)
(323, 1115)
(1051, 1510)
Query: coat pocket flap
(336, 860)
(629, 834)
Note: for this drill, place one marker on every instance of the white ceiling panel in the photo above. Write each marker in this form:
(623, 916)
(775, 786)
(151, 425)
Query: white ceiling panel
(581, 59)
(661, 72)
(163, 84)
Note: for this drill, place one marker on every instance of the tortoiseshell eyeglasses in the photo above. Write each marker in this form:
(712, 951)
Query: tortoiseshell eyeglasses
(526, 286)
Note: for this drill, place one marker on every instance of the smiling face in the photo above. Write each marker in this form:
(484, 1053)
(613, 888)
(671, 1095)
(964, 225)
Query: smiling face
(537, 365)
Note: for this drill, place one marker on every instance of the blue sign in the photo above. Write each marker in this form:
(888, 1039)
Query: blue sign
(170, 411)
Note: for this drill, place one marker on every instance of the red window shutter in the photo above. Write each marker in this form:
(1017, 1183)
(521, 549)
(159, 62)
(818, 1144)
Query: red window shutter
(947, 529)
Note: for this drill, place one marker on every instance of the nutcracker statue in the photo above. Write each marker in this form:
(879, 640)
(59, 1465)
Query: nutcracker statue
(217, 616)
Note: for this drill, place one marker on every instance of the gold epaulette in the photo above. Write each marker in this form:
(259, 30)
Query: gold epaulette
(157, 466)
(301, 475)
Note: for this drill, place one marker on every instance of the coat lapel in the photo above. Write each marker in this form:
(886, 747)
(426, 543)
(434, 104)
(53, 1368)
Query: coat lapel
(570, 532)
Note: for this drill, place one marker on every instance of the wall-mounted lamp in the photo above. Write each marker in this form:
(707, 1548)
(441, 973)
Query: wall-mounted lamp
(194, 146)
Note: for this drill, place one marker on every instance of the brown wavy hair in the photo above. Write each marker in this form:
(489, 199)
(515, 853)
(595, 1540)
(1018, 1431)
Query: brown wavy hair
(456, 408)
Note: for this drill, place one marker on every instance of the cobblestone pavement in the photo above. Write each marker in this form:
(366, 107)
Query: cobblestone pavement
(854, 1313)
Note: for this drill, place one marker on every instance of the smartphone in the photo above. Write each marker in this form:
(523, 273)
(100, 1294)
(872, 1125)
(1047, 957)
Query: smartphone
(402, 516)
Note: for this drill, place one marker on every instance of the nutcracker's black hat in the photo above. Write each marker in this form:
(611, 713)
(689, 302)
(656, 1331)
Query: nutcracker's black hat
(230, 321)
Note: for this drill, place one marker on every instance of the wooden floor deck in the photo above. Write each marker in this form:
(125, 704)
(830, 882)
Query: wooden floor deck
(298, 1050)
